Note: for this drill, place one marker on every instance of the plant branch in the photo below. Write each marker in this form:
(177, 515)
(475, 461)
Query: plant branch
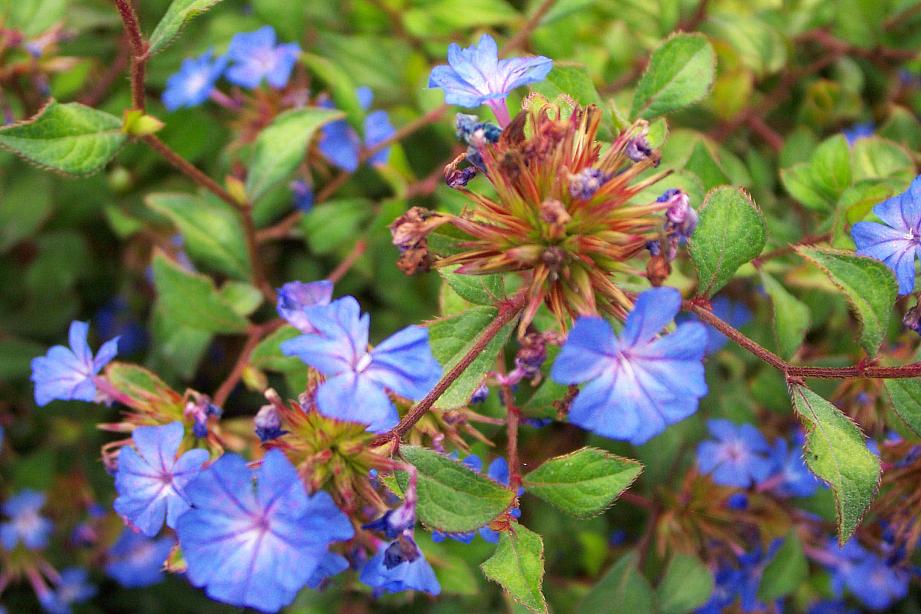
(796, 371)
(343, 267)
(513, 416)
(139, 48)
(256, 334)
(508, 311)
(521, 37)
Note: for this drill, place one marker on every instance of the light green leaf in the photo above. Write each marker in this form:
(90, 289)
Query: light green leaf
(818, 183)
(584, 482)
(452, 16)
(760, 46)
(143, 390)
(192, 299)
(282, 145)
(71, 138)
(179, 13)
(242, 297)
(800, 184)
(268, 354)
(452, 497)
(868, 284)
(687, 585)
(905, 395)
(730, 232)
(476, 289)
(835, 451)
(786, 571)
(680, 73)
(791, 317)
(622, 588)
(453, 337)
(878, 158)
(518, 567)
(336, 224)
(212, 231)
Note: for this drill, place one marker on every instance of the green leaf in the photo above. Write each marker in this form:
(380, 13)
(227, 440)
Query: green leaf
(730, 232)
(445, 17)
(518, 567)
(143, 390)
(705, 167)
(452, 497)
(791, 317)
(622, 588)
(878, 158)
(836, 452)
(680, 73)
(192, 299)
(760, 46)
(453, 337)
(819, 183)
(282, 145)
(584, 482)
(179, 13)
(70, 138)
(800, 184)
(868, 284)
(906, 399)
(242, 297)
(786, 571)
(212, 231)
(477, 289)
(268, 354)
(687, 585)
(340, 85)
(337, 223)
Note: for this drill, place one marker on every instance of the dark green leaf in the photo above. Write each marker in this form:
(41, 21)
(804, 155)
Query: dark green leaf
(282, 145)
(791, 317)
(192, 299)
(687, 585)
(622, 588)
(476, 289)
(906, 399)
(786, 571)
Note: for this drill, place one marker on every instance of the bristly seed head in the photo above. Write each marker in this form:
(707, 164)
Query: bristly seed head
(564, 214)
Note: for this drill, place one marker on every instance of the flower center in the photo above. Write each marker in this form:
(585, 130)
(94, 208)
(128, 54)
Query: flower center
(910, 236)
(363, 363)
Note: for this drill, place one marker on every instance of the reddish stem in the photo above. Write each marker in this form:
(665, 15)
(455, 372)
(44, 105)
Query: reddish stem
(508, 311)
(256, 334)
(139, 54)
(357, 251)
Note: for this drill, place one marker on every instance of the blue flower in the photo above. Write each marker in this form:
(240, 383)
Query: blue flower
(858, 131)
(476, 75)
(295, 297)
(136, 561)
(638, 384)
(256, 547)
(72, 587)
(869, 577)
(898, 239)
(255, 57)
(330, 565)
(114, 319)
(151, 481)
(341, 145)
(302, 194)
(194, 82)
(25, 524)
(67, 374)
(727, 583)
(399, 567)
(356, 379)
(737, 457)
(795, 478)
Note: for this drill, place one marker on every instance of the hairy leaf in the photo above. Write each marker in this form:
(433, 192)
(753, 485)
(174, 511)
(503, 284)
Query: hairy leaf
(584, 482)
(179, 13)
(680, 73)
(518, 567)
(836, 452)
(70, 138)
(452, 497)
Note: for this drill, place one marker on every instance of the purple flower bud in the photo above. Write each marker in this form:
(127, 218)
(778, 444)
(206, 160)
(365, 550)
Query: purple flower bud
(586, 182)
(460, 177)
(268, 424)
(302, 194)
(480, 394)
(638, 148)
(681, 219)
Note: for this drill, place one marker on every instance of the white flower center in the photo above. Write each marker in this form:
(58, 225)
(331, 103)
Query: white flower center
(363, 363)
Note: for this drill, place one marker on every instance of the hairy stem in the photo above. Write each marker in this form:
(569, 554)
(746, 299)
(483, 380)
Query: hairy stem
(795, 371)
(138, 51)
(513, 417)
(508, 311)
